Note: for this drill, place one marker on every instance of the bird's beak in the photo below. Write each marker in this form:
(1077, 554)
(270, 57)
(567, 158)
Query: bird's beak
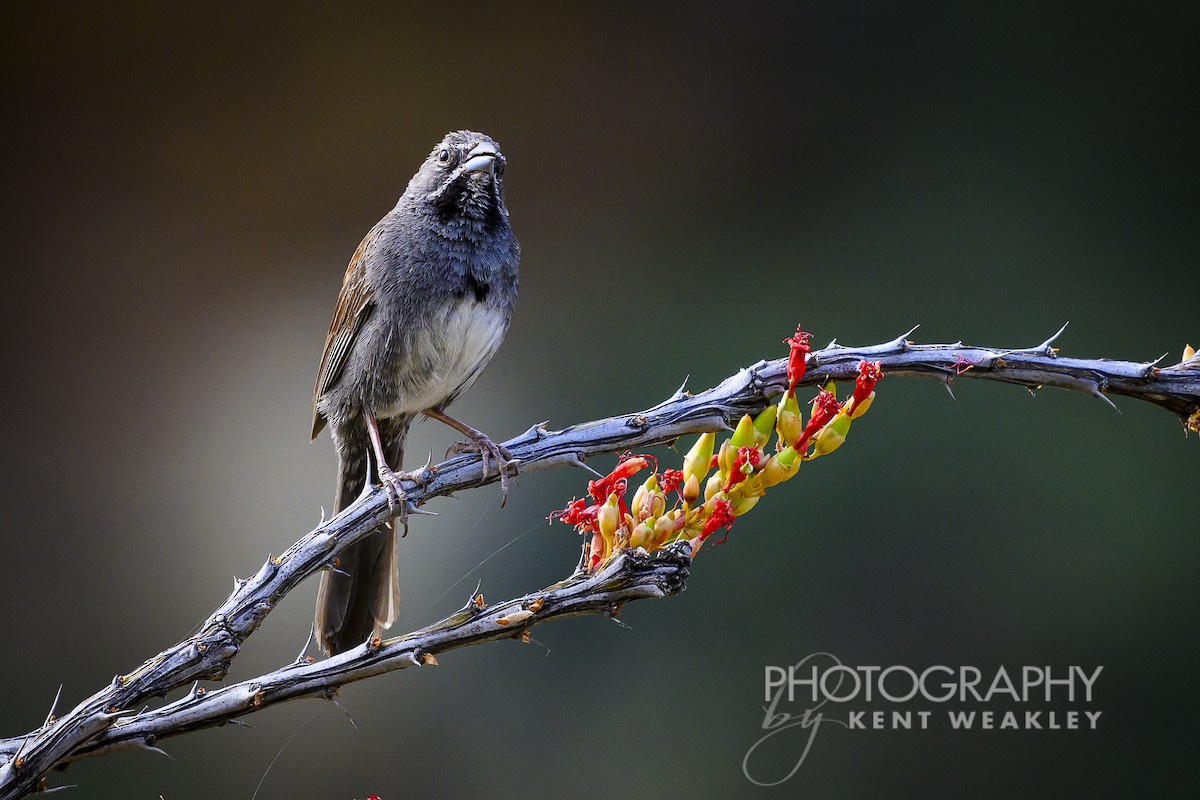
(481, 159)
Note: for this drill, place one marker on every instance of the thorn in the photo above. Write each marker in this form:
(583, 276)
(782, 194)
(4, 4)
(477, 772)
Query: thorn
(476, 598)
(53, 706)
(581, 567)
(538, 642)
(156, 749)
(333, 699)
(300, 657)
(949, 391)
(902, 341)
(536, 430)
(615, 618)
(575, 461)
(832, 344)
(366, 490)
(419, 512)
(74, 785)
(339, 571)
(17, 760)
(1150, 371)
(1097, 391)
(682, 390)
(241, 722)
(322, 522)
(412, 659)
(1045, 346)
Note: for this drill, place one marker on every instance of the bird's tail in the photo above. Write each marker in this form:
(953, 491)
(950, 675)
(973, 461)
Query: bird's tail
(360, 597)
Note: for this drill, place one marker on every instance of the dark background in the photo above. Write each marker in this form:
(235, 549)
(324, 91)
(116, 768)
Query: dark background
(185, 186)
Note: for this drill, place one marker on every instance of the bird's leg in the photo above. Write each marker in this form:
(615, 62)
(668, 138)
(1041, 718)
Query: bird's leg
(389, 479)
(480, 442)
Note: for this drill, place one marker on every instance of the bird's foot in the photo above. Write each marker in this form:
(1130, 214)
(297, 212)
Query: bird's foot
(487, 449)
(391, 485)
(390, 481)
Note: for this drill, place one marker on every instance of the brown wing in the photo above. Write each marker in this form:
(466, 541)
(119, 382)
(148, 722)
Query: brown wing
(354, 305)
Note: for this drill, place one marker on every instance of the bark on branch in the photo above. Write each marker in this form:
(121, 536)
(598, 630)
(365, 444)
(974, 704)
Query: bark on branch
(110, 719)
(630, 576)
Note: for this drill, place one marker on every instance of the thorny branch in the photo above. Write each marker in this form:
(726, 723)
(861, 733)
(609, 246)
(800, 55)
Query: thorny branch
(110, 719)
(630, 576)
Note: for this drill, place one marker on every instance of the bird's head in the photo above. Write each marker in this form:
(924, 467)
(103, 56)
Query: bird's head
(462, 181)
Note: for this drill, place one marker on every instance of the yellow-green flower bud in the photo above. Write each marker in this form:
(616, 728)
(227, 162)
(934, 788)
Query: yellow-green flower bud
(789, 422)
(663, 526)
(787, 402)
(741, 505)
(781, 466)
(840, 423)
(743, 434)
(861, 407)
(724, 458)
(643, 536)
(699, 457)
(691, 489)
(828, 440)
(639, 500)
(608, 517)
(713, 486)
(763, 424)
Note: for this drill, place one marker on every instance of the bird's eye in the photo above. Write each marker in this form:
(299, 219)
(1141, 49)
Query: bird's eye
(443, 155)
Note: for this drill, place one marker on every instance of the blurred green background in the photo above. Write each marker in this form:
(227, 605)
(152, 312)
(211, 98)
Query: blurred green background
(185, 185)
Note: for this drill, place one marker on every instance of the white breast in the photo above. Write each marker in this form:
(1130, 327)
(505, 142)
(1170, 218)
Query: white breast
(463, 341)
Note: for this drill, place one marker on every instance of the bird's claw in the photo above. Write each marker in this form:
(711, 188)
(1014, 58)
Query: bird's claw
(488, 450)
(391, 485)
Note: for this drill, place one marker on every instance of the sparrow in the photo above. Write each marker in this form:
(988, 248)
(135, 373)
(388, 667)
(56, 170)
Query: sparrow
(424, 306)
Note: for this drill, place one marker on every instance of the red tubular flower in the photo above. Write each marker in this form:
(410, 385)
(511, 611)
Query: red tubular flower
(596, 552)
(670, 480)
(825, 408)
(869, 373)
(628, 466)
(746, 456)
(721, 517)
(577, 513)
(797, 358)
